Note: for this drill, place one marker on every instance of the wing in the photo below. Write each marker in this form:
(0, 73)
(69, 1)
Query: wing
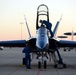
(19, 43)
(13, 43)
(65, 43)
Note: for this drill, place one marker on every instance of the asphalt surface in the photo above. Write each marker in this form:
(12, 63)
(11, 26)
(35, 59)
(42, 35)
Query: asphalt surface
(11, 64)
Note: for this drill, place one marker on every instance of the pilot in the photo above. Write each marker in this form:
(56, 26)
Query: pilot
(48, 26)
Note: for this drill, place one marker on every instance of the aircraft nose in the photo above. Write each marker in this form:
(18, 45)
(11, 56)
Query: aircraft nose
(42, 45)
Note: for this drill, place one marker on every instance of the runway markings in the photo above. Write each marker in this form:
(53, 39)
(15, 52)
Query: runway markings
(38, 72)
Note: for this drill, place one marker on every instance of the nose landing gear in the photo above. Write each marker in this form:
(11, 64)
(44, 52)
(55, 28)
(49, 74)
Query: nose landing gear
(42, 61)
(44, 65)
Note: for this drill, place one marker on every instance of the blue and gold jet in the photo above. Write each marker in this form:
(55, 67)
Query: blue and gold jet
(44, 46)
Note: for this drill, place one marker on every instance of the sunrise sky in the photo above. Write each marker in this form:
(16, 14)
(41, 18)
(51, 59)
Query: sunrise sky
(12, 14)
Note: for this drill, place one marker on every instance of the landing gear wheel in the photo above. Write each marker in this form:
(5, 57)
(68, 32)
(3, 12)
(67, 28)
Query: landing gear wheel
(64, 49)
(55, 66)
(60, 66)
(45, 65)
(24, 61)
(64, 65)
(39, 65)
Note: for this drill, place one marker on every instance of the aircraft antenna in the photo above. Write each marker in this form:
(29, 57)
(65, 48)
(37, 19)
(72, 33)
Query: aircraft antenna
(27, 26)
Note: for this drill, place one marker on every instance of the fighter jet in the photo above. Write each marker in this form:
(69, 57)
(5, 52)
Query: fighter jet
(44, 46)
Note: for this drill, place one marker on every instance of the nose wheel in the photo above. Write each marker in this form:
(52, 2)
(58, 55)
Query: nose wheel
(45, 65)
(40, 65)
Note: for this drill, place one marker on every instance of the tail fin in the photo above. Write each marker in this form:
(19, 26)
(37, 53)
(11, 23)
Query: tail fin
(56, 27)
(27, 27)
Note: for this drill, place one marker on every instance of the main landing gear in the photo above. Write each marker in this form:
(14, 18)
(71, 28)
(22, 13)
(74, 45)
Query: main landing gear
(42, 57)
(58, 63)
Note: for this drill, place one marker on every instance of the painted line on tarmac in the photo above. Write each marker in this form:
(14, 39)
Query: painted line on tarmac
(38, 72)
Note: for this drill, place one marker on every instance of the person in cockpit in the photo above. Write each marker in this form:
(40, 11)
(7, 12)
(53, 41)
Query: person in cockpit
(48, 26)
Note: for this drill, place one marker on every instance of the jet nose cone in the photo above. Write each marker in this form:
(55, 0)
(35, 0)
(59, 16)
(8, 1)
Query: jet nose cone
(42, 45)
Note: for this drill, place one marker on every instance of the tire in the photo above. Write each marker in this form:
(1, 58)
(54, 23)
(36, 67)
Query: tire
(55, 66)
(64, 49)
(45, 65)
(39, 65)
(64, 65)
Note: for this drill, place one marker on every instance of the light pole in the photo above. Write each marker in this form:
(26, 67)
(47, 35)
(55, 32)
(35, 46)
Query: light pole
(21, 29)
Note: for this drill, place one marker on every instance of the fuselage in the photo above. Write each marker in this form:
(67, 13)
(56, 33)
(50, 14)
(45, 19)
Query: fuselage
(42, 41)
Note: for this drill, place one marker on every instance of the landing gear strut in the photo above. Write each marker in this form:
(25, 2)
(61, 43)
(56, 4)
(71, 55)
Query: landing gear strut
(42, 60)
(60, 62)
(44, 65)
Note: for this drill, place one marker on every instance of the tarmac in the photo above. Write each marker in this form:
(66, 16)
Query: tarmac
(11, 64)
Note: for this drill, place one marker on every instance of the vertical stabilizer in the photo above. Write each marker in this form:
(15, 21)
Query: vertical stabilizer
(56, 27)
(27, 26)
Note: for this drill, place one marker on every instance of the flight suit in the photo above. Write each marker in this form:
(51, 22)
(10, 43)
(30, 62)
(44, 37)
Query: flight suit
(27, 56)
(48, 26)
